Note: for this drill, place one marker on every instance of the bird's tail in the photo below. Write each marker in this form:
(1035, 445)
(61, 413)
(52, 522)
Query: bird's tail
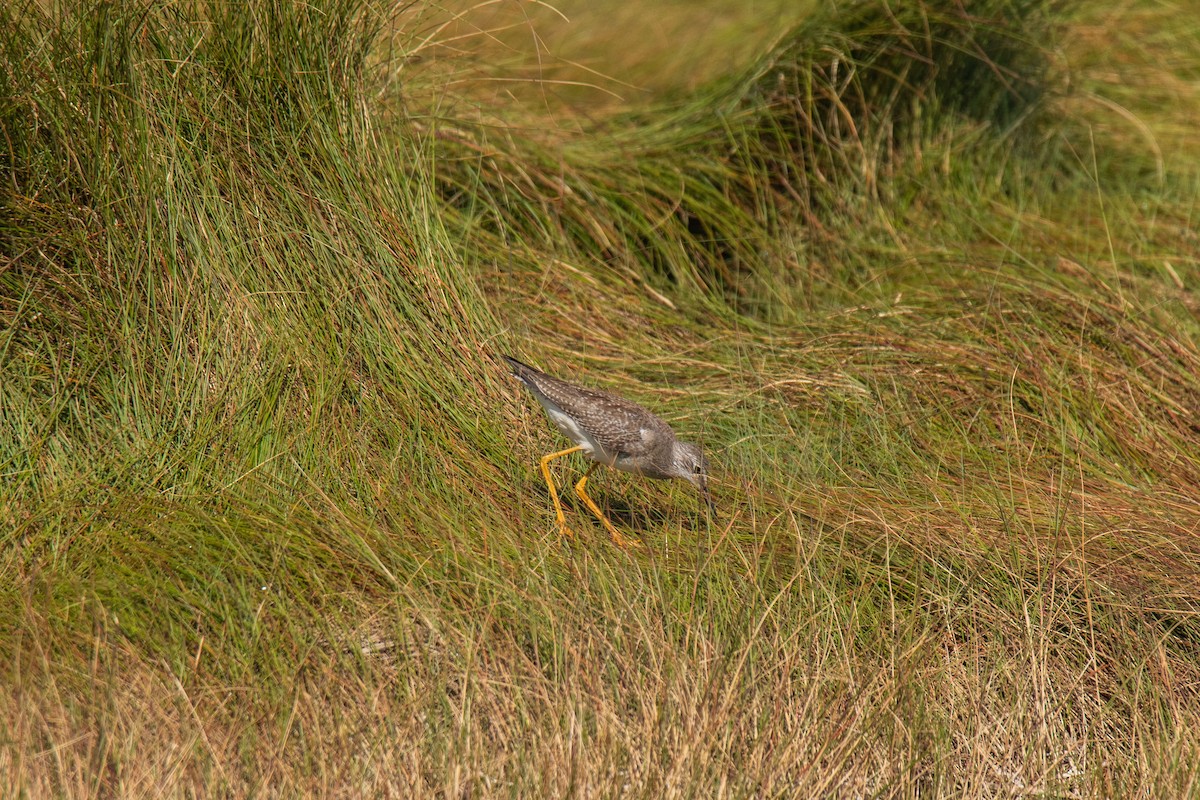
(522, 372)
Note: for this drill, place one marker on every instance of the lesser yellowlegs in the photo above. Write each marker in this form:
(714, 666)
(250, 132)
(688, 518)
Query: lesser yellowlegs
(610, 430)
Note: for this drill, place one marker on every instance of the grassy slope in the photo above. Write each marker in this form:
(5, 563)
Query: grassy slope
(274, 518)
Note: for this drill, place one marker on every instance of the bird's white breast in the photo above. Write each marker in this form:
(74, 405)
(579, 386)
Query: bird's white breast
(567, 424)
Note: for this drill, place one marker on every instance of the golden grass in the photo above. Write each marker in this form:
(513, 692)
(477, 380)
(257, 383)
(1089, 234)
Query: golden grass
(273, 521)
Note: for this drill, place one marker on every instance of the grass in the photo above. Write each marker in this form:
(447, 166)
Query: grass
(922, 279)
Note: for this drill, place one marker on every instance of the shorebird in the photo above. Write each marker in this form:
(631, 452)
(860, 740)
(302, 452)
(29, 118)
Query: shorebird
(610, 430)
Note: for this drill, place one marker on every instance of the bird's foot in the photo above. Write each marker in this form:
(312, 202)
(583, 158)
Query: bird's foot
(623, 541)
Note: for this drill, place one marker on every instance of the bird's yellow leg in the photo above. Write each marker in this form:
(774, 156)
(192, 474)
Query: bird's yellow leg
(582, 494)
(558, 512)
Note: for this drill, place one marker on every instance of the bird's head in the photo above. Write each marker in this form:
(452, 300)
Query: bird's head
(689, 463)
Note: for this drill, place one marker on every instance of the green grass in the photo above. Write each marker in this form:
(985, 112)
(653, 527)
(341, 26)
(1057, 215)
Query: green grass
(924, 283)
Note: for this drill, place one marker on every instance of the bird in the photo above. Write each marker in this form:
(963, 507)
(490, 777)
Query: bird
(613, 431)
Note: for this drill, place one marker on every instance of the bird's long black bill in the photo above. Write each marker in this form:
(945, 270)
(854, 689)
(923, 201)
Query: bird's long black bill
(708, 501)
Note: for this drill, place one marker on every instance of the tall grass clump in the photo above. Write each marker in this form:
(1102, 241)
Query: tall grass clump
(696, 197)
(227, 315)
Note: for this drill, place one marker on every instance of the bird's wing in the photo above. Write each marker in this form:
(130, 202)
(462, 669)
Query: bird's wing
(618, 425)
